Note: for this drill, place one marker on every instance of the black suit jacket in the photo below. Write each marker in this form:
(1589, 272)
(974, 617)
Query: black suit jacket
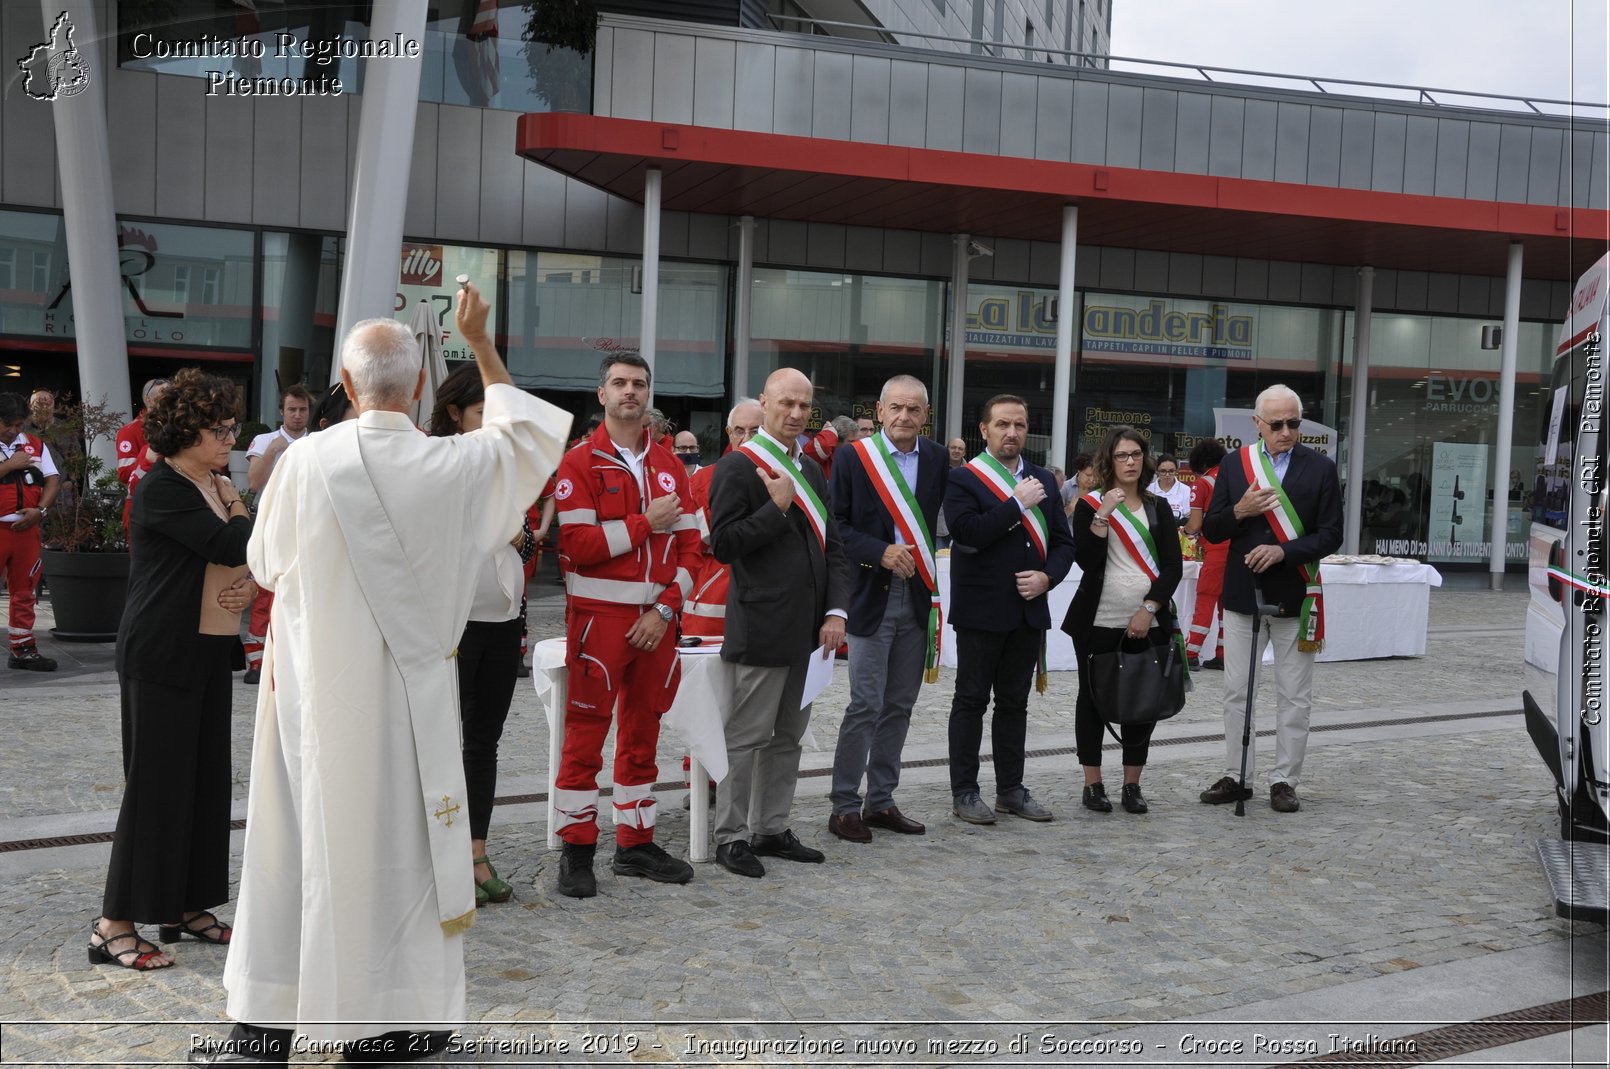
(1091, 554)
(989, 547)
(1315, 493)
(176, 535)
(782, 585)
(868, 529)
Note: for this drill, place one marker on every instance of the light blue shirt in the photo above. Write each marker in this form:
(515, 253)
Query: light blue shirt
(1280, 463)
(907, 463)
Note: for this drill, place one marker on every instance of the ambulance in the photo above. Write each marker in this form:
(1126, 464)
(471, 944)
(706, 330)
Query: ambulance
(1567, 707)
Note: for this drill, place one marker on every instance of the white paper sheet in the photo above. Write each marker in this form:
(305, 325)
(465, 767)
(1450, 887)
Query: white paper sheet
(818, 674)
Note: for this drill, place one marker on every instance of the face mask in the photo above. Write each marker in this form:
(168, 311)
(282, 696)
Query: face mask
(688, 458)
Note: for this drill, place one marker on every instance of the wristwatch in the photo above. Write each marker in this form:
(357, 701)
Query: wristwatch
(665, 612)
(1149, 607)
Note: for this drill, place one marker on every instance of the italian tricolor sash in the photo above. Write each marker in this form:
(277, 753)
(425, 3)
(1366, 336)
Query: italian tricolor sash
(908, 520)
(1136, 537)
(767, 454)
(1283, 519)
(998, 481)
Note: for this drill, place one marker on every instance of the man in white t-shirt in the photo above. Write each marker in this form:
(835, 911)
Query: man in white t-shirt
(296, 409)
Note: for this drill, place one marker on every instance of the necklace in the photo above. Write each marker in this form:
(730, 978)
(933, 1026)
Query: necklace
(205, 486)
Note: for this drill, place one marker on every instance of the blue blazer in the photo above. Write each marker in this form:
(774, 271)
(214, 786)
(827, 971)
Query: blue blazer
(989, 547)
(867, 530)
(1315, 493)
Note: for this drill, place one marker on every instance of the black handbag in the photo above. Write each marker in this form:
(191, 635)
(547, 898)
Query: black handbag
(1138, 687)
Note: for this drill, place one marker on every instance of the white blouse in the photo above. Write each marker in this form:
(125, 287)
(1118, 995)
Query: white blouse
(1125, 584)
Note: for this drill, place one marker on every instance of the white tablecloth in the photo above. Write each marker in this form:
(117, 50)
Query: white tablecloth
(696, 716)
(1371, 610)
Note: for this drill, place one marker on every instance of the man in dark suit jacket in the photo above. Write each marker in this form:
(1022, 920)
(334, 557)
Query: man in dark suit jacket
(1270, 551)
(890, 602)
(769, 522)
(1010, 544)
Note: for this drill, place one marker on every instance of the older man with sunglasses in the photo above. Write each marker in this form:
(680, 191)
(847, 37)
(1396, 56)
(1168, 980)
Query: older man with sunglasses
(1279, 505)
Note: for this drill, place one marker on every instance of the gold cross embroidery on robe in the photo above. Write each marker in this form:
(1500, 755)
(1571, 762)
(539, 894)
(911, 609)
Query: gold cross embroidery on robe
(449, 807)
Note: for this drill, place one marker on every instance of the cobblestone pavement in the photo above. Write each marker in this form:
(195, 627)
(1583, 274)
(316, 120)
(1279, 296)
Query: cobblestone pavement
(1414, 850)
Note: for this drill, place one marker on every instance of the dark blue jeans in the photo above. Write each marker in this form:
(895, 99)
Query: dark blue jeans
(1001, 662)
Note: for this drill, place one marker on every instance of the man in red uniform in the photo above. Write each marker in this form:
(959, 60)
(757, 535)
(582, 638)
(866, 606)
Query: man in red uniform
(705, 613)
(1204, 460)
(28, 484)
(133, 458)
(629, 544)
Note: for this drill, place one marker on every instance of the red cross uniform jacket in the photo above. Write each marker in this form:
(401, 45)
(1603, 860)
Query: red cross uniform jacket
(614, 564)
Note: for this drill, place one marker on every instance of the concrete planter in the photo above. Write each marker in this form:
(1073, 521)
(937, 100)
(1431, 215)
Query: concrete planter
(87, 592)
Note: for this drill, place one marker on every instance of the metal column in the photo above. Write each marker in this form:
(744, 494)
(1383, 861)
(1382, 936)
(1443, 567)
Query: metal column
(1506, 415)
(743, 299)
(1359, 411)
(380, 175)
(958, 338)
(649, 332)
(1061, 398)
(85, 166)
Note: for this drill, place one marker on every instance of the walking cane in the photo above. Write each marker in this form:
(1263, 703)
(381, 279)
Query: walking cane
(1259, 611)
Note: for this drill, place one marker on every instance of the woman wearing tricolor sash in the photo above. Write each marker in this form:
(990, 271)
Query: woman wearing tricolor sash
(1126, 541)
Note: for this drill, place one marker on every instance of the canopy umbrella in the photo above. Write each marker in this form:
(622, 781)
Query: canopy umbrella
(427, 331)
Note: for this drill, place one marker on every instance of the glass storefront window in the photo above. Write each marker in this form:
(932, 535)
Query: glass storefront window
(301, 289)
(472, 51)
(567, 310)
(848, 333)
(1431, 435)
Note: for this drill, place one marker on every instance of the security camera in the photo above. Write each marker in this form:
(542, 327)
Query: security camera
(978, 248)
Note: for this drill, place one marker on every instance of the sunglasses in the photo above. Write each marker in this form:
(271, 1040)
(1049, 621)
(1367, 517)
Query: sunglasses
(1278, 425)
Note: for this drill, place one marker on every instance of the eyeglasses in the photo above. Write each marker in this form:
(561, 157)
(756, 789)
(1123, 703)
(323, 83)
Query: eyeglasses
(1278, 425)
(1132, 455)
(1167, 471)
(225, 432)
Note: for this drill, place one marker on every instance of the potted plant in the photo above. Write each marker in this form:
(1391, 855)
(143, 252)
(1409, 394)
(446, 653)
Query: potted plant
(85, 556)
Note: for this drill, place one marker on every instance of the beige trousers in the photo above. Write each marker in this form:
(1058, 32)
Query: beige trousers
(1294, 692)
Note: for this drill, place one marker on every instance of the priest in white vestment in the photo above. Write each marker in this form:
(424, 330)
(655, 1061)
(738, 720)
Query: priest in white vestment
(356, 885)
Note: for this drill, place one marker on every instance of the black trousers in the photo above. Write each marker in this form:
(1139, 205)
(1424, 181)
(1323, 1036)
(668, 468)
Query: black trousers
(170, 853)
(1089, 729)
(488, 668)
(1001, 662)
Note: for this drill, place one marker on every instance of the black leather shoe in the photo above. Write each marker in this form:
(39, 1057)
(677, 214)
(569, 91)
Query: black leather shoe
(651, 862)
(576, 877)
(849, 827)
(1226, 790)
(1095, 798)
(894, 820)
(235, 1050)
(232, 1058)
(29, 659)
(1130, 798)
(253, 676)
(1213, 664)
(1283, 798)
(739, 858)
(787, 846)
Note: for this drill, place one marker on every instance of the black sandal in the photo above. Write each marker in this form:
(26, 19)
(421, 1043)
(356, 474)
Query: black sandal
(215, 931)
(142, 952)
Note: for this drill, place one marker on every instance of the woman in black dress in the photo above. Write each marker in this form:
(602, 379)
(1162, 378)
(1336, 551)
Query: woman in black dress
(1120, 601)
(176, 648)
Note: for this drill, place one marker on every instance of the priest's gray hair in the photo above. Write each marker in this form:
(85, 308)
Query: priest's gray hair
(383, 359)
(903, 382)
(1277, 392)
(742, 402)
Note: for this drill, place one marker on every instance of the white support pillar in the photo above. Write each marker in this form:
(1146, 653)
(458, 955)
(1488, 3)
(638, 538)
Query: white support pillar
(649, 332)
(1506, 415)
(85, 165)
(743, 301)
(1359, 413)
(958, 338)
(1062, 395)
(379, 194)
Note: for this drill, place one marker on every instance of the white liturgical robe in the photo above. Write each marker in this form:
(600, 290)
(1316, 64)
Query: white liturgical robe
(356, 885)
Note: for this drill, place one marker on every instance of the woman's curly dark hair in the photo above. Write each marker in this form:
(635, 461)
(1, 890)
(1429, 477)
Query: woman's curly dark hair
(461, 389)
(193, 402)
(1106, 478)
(1206, 455)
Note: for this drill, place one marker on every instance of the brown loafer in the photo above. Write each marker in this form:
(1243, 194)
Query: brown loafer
(1226, 790)
(849, 827)
(894, 820)
(1283, 798)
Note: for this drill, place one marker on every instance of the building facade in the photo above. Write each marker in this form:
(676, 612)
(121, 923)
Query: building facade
(231, 209)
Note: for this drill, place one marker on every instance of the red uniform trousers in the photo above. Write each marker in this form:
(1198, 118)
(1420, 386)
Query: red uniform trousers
(1209, 585)
(19, 556)
(602, 668)
(257, 627)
